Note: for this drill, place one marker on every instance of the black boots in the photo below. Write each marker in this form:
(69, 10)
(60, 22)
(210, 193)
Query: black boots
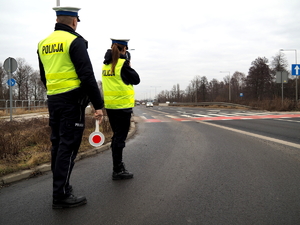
(69, 202)
(121, 173)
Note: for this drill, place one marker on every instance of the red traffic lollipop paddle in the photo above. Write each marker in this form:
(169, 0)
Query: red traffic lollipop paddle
(96, 138)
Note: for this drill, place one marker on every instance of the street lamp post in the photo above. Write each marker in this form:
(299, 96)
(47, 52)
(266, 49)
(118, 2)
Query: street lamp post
(296, 63)
(229, 94)
(155, 90)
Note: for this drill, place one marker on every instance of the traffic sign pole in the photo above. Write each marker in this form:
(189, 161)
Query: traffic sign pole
(281, 88)
(10, 87)
(10, 65)
(296, 72)
(296, 79)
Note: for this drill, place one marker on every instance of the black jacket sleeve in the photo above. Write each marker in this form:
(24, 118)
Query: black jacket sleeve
(129, 75)
(84, 70)
(42, 70)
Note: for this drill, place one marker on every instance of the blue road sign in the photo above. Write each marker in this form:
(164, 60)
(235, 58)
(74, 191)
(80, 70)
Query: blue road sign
(296, 69)
(11, 82)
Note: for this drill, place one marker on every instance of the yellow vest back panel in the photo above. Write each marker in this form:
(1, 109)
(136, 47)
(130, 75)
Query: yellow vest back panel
(60, 72)
(117, 95)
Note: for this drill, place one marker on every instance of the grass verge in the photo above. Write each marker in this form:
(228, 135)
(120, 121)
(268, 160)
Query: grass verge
(26, 144)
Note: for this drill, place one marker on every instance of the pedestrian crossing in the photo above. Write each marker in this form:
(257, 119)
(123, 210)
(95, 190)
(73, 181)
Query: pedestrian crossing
(213, 116)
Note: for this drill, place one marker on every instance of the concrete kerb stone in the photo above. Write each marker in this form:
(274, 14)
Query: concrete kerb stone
(17, 176)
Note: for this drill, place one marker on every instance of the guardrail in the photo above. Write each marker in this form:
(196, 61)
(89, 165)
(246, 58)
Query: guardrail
(227, 104)
(22, 104)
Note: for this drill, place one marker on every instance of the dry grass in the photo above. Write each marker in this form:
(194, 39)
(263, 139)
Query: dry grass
(26, 144)
(275, 105)
(19, 111)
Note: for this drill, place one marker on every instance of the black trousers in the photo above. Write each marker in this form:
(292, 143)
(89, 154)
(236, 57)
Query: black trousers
(67, 123)
(119, 120)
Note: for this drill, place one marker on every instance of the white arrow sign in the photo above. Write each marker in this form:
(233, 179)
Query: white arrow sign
(297, 70)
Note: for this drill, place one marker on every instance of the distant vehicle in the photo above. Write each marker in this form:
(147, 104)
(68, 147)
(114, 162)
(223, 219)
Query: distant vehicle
(143, 103)
(137, 103)
(149, 104)
(168, 102)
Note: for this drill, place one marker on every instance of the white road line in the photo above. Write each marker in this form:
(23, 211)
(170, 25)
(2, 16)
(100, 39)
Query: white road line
(254, 135)
(171, 116)
(231, 115)
(294, 121)
(201, 115)
(216, 115)
(186, 115)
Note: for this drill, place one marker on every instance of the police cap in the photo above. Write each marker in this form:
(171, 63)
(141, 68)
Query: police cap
(120, 41)
(67, 11)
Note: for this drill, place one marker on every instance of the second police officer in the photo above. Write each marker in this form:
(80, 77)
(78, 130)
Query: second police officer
(118, 79)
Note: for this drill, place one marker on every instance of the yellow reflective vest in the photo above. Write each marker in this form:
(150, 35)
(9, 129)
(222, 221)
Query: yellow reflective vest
(117, 95)
(60, 72)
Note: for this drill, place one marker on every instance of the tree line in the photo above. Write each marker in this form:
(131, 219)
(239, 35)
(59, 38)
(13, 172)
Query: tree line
(28, 83)
(259, 85)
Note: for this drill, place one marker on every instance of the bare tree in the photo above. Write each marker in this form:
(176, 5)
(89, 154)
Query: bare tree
(161, 96)
(173, 93)
(237, 84)
(213, 89)
(164, 96)
(203, 88)
(259, 79)
(3, 87)
(22, 78)
(189, 93)
(196, 86)
(37, 90)
(226, 86)
(178, 94)
(279, 62)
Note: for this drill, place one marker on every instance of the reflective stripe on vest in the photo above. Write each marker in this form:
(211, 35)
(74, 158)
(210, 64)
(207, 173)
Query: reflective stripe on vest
(117, 95)
(60, 71)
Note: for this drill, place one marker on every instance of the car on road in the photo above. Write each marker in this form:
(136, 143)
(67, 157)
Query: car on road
(149, 104)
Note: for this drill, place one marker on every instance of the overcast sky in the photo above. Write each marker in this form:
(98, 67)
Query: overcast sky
(173, 40)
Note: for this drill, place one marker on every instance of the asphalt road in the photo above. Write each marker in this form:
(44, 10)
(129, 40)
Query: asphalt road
(186, 172)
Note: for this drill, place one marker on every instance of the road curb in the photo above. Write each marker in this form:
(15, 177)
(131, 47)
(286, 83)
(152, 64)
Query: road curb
(26, 174)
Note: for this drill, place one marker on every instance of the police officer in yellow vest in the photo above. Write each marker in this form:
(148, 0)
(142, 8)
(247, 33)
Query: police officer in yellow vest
(118, 79)
(67, 73)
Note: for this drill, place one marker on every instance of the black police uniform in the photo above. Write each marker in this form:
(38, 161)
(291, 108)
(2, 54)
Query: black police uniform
(120, 118)
(67, 114)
